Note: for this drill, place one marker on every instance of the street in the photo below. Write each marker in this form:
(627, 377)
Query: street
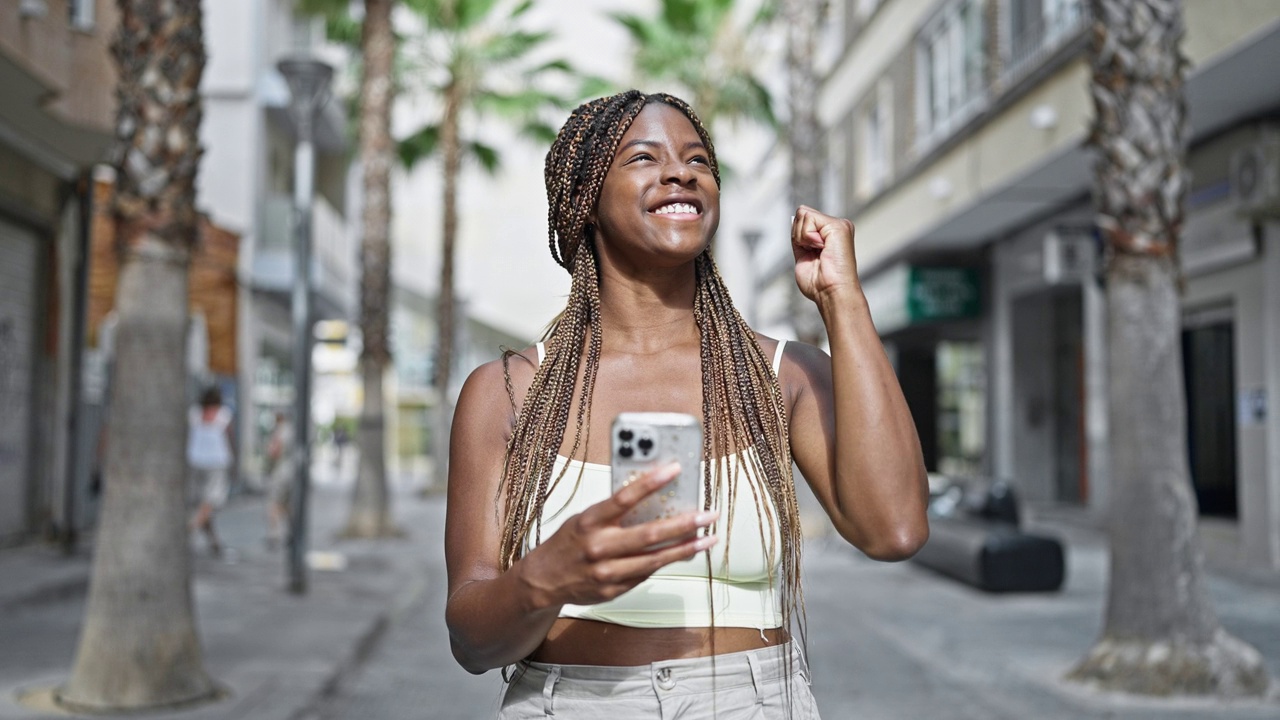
(886, 642)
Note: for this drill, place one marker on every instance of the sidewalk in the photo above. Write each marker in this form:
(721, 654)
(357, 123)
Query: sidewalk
(896, 641)
(276, 654)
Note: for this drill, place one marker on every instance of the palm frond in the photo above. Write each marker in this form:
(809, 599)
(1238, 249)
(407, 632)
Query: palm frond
(486, 155)
(507, 47)
(418, 146)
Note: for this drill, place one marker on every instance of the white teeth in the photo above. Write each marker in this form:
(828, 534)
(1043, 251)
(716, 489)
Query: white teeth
(676, 208)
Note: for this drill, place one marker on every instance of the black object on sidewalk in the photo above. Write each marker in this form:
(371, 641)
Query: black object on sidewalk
(992, 556)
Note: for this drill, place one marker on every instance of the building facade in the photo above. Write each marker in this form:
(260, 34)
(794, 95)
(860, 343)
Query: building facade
(245, 186)
(956, 131)
(56, 121)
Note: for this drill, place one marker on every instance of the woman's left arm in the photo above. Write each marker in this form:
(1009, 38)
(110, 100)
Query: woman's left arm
(852, 435)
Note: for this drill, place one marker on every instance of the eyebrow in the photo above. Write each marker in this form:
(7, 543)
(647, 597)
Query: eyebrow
(653, 143)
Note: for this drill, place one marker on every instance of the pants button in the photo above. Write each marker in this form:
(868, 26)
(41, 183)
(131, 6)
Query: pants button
(665, 681)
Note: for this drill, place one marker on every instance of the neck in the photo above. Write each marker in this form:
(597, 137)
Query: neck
(648, 313)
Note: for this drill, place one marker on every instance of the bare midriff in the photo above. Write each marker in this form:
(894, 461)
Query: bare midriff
(587, 642)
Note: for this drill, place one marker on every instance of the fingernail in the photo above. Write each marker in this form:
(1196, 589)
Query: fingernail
(706, 542)
(666, 472)
(707, 517)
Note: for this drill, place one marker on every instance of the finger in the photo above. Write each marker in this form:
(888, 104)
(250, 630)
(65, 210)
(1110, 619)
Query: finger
(607, 543)
(641, 538)
(629, 495)
(634, 569)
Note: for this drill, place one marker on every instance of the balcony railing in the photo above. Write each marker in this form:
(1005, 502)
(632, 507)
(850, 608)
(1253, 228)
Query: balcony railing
(1038, 31)
(332, 268)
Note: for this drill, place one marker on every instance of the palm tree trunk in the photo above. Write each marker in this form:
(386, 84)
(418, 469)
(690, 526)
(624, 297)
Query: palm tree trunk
(451, 147)
(804, 137)
(139, 647)
(1161, 635)
(370, 501)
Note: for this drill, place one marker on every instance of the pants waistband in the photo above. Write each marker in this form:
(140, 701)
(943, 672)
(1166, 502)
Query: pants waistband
(687, 675)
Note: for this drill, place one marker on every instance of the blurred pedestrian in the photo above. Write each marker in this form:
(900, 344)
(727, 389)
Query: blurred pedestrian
(340, 439)
(599, 618)
(209, 456)
(279, 478)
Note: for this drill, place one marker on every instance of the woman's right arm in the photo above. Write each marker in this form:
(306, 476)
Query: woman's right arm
(496, 618)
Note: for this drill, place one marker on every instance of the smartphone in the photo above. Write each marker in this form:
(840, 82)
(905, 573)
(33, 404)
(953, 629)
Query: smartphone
(642, 441)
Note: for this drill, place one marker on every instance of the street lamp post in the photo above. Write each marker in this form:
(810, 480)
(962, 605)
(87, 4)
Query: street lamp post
(308, 90)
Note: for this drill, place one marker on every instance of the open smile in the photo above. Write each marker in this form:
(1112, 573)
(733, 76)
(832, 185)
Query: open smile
(677, 210)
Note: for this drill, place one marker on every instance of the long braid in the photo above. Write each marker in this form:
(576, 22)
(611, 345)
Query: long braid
(742, 406)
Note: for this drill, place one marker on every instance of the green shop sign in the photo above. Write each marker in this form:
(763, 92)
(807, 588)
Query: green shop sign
(906, 295)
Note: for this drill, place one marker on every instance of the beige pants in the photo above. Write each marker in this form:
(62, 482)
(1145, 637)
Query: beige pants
(755, 685)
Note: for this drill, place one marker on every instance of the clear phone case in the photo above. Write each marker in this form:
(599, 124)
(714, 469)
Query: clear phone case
(645, 440)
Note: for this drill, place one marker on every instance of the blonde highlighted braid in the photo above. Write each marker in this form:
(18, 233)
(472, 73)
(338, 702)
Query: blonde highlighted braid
(742, 405)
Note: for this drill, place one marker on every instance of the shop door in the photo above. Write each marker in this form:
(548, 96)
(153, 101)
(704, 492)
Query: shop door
(1208, 356)
(19, 256)
(1071, 479)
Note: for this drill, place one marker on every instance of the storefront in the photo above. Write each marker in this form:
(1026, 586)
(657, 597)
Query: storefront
(930, 320)
(19, 296)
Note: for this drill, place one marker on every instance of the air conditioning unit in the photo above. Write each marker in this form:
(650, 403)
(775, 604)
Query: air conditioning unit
(1255, 179)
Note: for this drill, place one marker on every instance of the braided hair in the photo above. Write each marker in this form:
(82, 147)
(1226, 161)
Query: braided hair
(742, 404)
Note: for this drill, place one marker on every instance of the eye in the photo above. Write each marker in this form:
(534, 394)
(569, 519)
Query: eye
(700, 159)
(638, 157)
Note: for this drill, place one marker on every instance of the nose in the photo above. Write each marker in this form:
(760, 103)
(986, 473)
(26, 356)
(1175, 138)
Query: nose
(677, 171)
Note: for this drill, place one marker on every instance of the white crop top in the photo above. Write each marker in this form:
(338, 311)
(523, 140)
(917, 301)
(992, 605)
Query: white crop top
(745, 571)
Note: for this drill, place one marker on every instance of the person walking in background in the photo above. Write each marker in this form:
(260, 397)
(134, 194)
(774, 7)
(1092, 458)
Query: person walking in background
(209, 456)
(279, 478)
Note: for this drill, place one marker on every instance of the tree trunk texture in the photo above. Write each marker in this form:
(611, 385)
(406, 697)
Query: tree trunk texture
(804, 136)
(370, 514)
(1161, 635)
(451, 148)
(139, 647)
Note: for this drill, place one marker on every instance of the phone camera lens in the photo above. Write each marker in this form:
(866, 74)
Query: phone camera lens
(625, 436)
(625, 451)
(645, 445)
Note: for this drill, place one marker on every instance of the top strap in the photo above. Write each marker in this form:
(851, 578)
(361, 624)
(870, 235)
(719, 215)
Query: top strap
(542, 351)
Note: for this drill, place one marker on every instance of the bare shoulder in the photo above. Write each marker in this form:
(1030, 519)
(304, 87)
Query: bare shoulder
(484, 395)
(803, 369)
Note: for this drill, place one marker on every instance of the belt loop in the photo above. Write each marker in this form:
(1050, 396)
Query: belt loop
(757, 677)
(797, 653)
(548, 688)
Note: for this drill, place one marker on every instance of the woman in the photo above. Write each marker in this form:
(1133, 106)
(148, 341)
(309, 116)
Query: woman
(542, 576)
(209, 455)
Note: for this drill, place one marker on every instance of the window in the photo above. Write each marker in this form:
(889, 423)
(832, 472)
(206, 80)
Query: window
(1033, 27)
(949, 62)
(961, 418)
(877, 142)
(81, 13)
(33, 9)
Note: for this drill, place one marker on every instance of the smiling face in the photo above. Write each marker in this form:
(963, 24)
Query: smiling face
(659, 205)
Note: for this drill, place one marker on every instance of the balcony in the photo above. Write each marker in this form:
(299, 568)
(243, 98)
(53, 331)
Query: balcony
(1034, 31)
(332, 255)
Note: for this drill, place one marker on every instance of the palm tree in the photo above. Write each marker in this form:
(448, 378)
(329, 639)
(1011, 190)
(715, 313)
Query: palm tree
(1161, 635)
(703, 48)
(476, 59)
(138, 647)
(370, 514)
(801, 18)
